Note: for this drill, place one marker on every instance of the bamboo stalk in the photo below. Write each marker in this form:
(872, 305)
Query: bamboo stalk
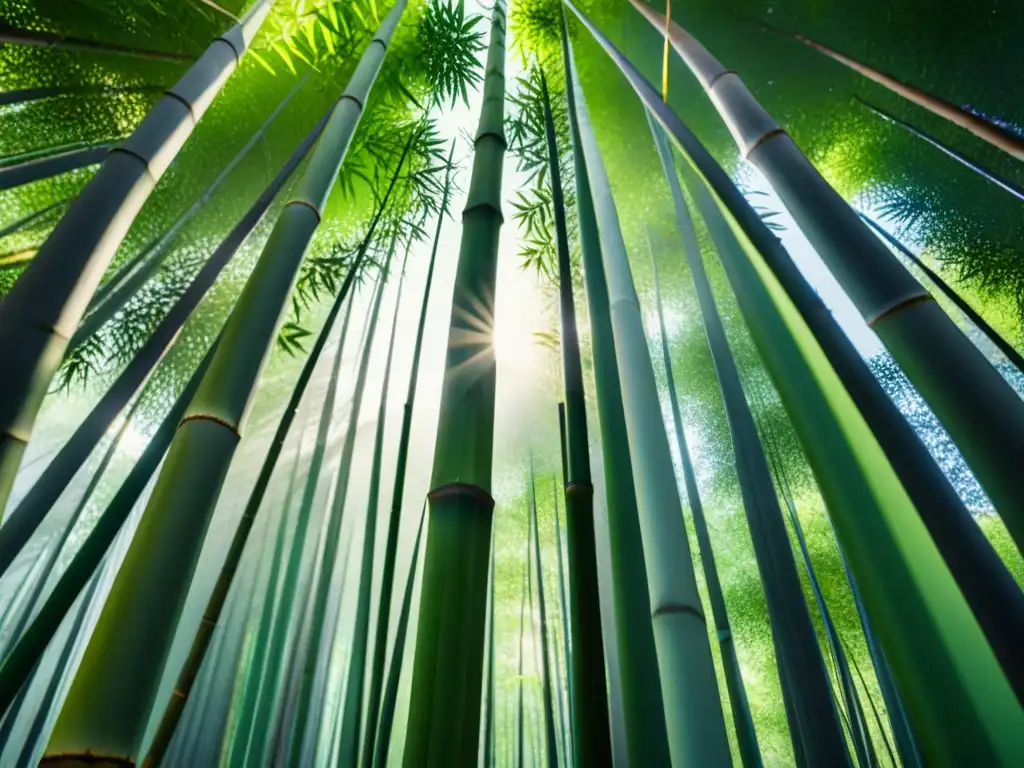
(567, 739)
(646, 738)
(370, 751)
(991, 333)
(693, 713)
(743, 721)
(10, 35)
(814, 723)
(20, 172)
(218, 597)
(593, 733)
(387, 706)
(977, 406)
(991, 591)
(444, 719)
(147, 597)
(19, 661)
(42, 310)
(24, 221)
(549, 715)
(489, 759)
(1005, 184)
(31, 510)
(25, 95)
(17, 259)
(117, 294)
(352, 717)
(987, 131)
(959, 700)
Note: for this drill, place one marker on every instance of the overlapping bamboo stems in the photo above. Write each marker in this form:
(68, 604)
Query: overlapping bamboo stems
(693, 713)
(222, 587)
(14, 36)
(958, 698)
(592, 730)
(387, 577)
(41, 311)
(25, 95)
(1005, 184)
(444, 719)
(743, 721)
(563, 609)
(390, 696)
(814, 722)
(984, 129)
(43, 165)
(117, 292)
(22, 658)
(981, 411)
(991, 333)
(280, 659)
(147, 597)
(550, 738)
(352, 715)
(856, 721)
(23, 521)
(638, 668)
(991, 592)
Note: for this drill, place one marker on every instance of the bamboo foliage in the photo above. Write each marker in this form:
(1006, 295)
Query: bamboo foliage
(743, 722)
(983, 414)
(994, 598)
(41, 311)
(693, 714)
(646, 736)
(444, 722)
(164, 550)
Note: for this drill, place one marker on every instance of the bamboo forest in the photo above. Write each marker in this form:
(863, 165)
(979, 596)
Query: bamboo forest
(512, 384)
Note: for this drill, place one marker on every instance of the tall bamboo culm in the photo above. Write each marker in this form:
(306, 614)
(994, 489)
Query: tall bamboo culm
(646, 739)
(692, 707)
(41, 311)
(444, 709)
(743, 721)
(982, 413)
(990, 589)
(108, 705)
(591, 728)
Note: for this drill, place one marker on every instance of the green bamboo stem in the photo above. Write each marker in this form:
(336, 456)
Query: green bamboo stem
(24, 221)
(35, 168)
(222, 587)
(42, 310)
(592, 731)
(444, 719)
(997, 136)
(30, 512)
(387, 578)
(147, 597)
(19, 662)
(977, 406)
(261, 748)
(959, 701)
(489, 761)
(638, 668)
(13, 36)
(352, 716)
(990, 590)
(693, 713)
(550, 739)
(815, 728)
(25, 95)
(117, 294)
(743, 721)
(991, 333)
(568, 744)
(520, 707)
(1005, 184)
(387, 705)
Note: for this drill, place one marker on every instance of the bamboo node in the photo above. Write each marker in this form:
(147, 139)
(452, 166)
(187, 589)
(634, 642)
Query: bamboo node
(765, 138)
(714, 80)
(670, 608)
(215, 419)
(461, 489)
(309, 205)
(901, 305)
